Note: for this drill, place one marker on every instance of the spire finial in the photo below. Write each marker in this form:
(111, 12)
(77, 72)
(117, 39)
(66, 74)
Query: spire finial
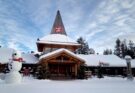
(58, 27)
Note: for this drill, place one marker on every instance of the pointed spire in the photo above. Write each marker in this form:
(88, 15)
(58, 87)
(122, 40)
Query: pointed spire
(58, 27)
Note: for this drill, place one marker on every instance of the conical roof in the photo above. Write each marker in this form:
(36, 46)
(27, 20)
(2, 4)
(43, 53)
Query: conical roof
(58, 37)
(58, 27)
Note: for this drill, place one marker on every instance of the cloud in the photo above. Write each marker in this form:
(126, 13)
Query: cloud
(16, 30)
(100, 22)
(112, 19)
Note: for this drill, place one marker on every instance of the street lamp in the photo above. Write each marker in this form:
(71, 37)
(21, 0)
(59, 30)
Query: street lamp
(129, 69)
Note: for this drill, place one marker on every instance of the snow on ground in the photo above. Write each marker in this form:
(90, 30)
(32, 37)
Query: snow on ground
(93, 85)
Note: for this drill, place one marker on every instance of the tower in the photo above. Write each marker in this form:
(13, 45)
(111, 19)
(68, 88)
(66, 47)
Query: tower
(58, 49)
(58, 26)
(57, 38)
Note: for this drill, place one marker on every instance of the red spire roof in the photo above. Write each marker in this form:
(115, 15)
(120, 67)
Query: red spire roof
(58, 27)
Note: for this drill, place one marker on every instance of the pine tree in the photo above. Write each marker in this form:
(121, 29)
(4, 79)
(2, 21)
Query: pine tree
(124, 48)
(110, 51)
(43, 72)
(117, 50)
(84, 49)
(104, 52)
(107, 52)
(80, 40)
(32, 52)
(91, 51)
(131, 45)
(131, 49)
(37, 55)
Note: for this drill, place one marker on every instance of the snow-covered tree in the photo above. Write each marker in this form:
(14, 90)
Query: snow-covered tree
(131, 45)
(117, 50)
(84, 49)
(32, 52)
(107, 52)
(124, 48)
(131, 49)
(91, 51)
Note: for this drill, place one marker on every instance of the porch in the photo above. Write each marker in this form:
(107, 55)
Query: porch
(61, 64)
(64, 70)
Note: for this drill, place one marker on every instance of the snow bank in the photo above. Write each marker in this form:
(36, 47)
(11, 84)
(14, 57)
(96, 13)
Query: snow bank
(93, 85)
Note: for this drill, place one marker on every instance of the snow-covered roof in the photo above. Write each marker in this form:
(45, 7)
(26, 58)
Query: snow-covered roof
(110, 60)
(5, 54)
(133, 62)
(94, 60)
(59, 51)
(90, 60)
(57, 39)
(29, 58)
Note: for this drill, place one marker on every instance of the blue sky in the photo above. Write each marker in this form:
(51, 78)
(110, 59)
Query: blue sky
(100, 22)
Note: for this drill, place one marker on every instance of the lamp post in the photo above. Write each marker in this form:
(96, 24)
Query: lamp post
(129, 69)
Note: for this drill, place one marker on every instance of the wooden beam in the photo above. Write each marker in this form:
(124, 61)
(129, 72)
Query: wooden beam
(60, 61)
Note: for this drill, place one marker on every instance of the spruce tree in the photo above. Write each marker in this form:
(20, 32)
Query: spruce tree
(131, 45)
(124, 48)
(110, 51)
(91, 51)
(131, 49)
(84, 49)
(117, 50)
(107, 52)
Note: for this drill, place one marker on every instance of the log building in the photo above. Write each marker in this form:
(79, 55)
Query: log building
(59, 61)
(58, 52)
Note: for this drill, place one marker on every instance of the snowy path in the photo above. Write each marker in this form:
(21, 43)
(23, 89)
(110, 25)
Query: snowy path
(94, 85)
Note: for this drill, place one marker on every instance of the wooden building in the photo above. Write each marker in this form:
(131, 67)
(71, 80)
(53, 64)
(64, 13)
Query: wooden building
(59, 61)
(58, 52)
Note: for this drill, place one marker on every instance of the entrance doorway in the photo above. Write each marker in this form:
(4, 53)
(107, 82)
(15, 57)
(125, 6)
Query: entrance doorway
(61, 70)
